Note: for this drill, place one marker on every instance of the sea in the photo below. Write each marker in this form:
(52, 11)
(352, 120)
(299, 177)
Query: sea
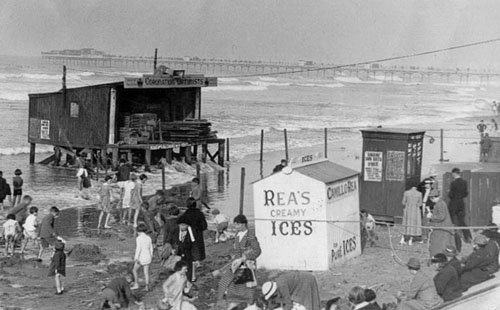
(239, 108)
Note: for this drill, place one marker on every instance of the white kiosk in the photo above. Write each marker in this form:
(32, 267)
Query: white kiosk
(307, 215)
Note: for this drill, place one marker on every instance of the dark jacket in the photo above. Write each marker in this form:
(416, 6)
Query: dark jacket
(122, 290)
(447, 282)
(123, 173)
(455, 263)
(299, 287)
(196, 219)
(47, 227)
(458, 189)
(3, 188)
(480, 265)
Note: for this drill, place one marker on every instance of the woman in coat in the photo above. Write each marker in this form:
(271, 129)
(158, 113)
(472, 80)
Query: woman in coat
(412, 220)
(246, 249)
(196, 219)
(440, 217)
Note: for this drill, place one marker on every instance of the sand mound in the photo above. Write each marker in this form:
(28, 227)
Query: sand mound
(84, 252)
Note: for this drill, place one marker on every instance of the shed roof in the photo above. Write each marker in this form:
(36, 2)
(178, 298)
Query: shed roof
(393, 130)
(326, 171)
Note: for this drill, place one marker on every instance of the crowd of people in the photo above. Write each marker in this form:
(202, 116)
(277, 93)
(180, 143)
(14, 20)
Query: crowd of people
(175, 235)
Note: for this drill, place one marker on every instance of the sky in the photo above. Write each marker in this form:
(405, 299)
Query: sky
(329, 31)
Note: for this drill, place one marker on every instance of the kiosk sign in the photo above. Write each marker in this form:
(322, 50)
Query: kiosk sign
(167, 81)
(373, 166)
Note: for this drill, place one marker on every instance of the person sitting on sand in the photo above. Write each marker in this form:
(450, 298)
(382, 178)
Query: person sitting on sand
(177, 287)
(422, 294)
(293, 290)
(117, 293)
(446, 280)
(481, 264)
(371, 298)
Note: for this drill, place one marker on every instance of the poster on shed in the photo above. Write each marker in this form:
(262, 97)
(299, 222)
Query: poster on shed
(45, 129)
(373, 166)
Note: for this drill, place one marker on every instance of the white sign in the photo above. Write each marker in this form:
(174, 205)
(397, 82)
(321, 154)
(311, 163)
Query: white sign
(373, 166)
(167, 81)
(45, 129)
(342, 189)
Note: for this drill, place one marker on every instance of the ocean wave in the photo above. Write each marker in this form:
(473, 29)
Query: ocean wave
(44, 76)
(394, 78)
(41, 149)
(13, 96)
(228, 80)
(335, 85)
(269, 84)
(235, 88)
(355, 80)
(268, 79)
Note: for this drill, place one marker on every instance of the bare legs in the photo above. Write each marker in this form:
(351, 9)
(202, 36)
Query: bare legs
(135, 271)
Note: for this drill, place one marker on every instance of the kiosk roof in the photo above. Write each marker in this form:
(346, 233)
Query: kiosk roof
(326, 171)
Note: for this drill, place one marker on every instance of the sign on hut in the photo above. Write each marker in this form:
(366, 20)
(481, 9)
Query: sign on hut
(307, 215)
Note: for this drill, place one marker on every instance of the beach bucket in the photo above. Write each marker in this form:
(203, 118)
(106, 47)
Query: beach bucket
(495, 216)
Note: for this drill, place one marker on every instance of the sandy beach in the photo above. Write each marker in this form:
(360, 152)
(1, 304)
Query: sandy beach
(24, 283)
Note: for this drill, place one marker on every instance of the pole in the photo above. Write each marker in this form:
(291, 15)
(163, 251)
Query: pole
(242, 189)
(227, 149)
(261, 145)
(198, 170)
(326, 142)
(163, 177)
(442, 143)
(64, 78)
(286, 145)
(155, 60)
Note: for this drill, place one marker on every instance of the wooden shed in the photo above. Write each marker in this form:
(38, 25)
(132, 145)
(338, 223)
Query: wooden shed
(392, 160)
(145, 117)
(484, 190)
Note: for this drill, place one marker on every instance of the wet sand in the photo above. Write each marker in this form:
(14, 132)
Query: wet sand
(24, 283)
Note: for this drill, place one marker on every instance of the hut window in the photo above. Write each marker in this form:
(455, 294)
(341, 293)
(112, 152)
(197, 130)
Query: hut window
(74, 110)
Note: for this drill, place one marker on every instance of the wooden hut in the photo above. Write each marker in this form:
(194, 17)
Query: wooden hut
(392, 161)
(144, 118)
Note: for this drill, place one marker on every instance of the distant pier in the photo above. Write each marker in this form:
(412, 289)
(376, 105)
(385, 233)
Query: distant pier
(304, 68)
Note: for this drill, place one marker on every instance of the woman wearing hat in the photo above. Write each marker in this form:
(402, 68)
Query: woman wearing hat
(440, 238)
(246, 249)
(293, 290)
(422, 294)
(446, 280)
(412, 220)
(481, 264)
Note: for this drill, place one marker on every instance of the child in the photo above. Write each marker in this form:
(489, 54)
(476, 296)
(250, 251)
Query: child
(368, 223)
(143, 255)
(58, 266)
(17, 182)
(30, 228)
(221, 222)
(11, 230)
(117, 293)
(136, 199)
(105, 201)
(48, 235)
(128, 189)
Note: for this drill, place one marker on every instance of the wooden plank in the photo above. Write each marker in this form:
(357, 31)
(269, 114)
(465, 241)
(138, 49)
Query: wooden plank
(473, 187)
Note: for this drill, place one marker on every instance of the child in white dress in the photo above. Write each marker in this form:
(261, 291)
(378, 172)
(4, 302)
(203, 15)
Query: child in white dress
(143, 255)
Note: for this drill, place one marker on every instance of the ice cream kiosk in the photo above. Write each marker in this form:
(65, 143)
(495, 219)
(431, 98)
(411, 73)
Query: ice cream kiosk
(307, 215)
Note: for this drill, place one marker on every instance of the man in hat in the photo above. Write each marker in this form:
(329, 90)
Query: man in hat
(280, 166)
(458, 191)
(422, 293)
(446, 280)
(440, 238)
(291, 288)
(451, 253)
(492, 233)
(481, 264)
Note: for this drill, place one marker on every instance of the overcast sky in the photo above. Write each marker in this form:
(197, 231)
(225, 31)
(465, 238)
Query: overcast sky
(321, 30)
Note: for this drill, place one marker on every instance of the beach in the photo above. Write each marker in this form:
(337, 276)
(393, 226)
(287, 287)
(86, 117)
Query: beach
(238, 109)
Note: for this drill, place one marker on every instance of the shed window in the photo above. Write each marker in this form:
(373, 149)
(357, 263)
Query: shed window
(75, 109)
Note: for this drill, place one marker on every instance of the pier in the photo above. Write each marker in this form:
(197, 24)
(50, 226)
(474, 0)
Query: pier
(309, 69)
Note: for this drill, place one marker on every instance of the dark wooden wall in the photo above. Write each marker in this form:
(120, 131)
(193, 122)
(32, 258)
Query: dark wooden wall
(88, 129)
(175, 104)
(484, 189)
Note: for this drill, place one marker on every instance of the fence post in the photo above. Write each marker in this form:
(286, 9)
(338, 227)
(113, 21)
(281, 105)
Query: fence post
(242, 189)
(261, 145)
(442, 144)
(326, 142)
(227, 149)
(286, 145)
(163, 177)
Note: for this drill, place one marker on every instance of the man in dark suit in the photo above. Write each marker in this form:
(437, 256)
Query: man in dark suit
(458, 191)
